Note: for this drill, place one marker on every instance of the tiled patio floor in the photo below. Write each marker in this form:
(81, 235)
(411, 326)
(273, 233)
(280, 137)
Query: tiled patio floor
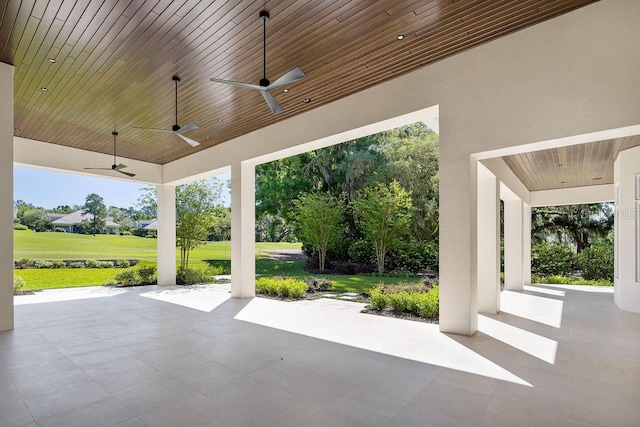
(555, 356)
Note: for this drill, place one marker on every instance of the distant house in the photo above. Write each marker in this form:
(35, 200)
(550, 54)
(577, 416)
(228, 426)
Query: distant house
(144, 223)
(70, 222)
(153, 225)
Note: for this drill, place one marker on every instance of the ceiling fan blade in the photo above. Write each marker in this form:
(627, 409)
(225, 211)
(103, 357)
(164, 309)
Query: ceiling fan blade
(188, 127)
(125, 173)
(189, 141)
(240, 84)
(291, 77)
(120, 166)
(155, 129)
(271, 101)
(99, 169)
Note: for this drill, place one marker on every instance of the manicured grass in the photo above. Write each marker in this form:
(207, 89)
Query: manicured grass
(46, 278)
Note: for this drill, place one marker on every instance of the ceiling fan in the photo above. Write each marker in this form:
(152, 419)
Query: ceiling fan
(265, 86)
(114, 166)
(176, 129)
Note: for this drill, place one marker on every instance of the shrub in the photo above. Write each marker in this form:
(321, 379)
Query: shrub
(123, 263)
(596, 261)
(399, 301)
(564, 280)
(43, 264)
(59, 264)
(284, 287)
(315, 284)
(18, 283)
(146, 273)
(60, 230)
(18, 226)
(413, 257)
(26, 262)
(428, 304)
(216, 270)
(378, 299)
(76, 264)
(551, 259)
(125, 233)
(104, 264)
(362, 252)
(91, 263)
(191, 276)
(127, 277)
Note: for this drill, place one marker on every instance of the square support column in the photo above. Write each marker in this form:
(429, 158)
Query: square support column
(243, 230)
(166, 235)
(513, 245)
(526, 244)
(488, 219)
(458, 241)
(6, 197)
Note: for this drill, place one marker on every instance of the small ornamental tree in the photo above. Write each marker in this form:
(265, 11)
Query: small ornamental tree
(384, 215)
(319, 217)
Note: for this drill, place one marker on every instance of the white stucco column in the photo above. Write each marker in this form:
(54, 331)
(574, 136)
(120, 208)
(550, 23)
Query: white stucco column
(6, 197)
(488, 219)
(627, 230)
(243, 225)
(458, 238)
(526, 244)
(513, 244)
(166, 235)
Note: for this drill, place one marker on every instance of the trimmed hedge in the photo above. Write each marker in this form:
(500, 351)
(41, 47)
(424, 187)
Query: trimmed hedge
(283, 287)
(407, 299)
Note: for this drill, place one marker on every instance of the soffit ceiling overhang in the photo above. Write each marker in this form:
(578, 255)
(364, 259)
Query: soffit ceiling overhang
(114, 60)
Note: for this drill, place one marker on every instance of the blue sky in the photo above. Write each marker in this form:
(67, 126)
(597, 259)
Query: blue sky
(50, 189)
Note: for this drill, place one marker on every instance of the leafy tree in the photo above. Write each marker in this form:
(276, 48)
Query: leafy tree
(384, 213)
(195, 215)
(319, 217)
(148, 202)
(63, 209)
(94, 205)
(577, 224)
(221, 229)
(35, 218)
(271, 228)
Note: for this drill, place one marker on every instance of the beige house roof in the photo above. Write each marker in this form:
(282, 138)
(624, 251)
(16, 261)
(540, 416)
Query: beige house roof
(77, 217)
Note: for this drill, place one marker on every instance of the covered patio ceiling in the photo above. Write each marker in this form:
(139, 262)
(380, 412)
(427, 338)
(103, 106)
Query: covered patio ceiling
(108, 64)
(580, 165)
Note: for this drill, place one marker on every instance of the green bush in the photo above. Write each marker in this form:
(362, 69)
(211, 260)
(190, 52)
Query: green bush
(43, 264)
(26, 262)
(76, 264)
(91, 263)
(284, 287)
(18, 226)
(216, 270)
(125, 233)
(419, 300)
(105, 264)
(596, 261)
(60, 230)
(18, 283)
(413, 257)
(59, 264)
(127, 277)
(191, 276)
(362, 252)
(123, 263)
(552, 259)
(564, 280)
(146, 273)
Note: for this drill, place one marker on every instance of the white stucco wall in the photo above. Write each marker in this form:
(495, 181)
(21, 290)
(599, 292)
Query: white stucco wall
(627, 279)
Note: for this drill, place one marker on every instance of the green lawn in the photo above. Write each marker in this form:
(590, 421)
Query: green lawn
(28, 244)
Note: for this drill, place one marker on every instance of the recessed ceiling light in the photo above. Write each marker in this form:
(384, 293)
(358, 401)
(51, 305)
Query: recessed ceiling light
(597, 178)
(563, 182)
(208, 137)
(400, 37)
(44, 89)
(306, 100)
(285, 90)
(219, 120)
(17, 129)
(52, 60)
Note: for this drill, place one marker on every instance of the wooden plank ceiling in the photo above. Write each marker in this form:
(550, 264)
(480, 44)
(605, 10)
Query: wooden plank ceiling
(114, 60)
(573, 166)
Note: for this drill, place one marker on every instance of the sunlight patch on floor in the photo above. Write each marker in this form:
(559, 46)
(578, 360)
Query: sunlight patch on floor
(68, 294)
(407, 339)
(198, 297)
(547, 311)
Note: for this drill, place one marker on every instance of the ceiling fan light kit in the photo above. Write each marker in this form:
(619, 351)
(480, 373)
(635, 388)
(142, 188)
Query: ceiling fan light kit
(265, 86)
